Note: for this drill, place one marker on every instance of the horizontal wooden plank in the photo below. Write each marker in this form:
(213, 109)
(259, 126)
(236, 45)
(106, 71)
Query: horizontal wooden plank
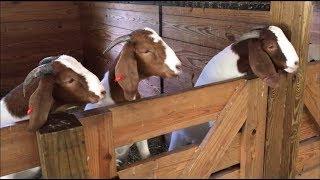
(205, 32)
(19, 150)
(18, 6)
(46, 14)
(308, 155)
(258, 17)
(171, 164)
(20, 32)
(120, 6)
(193, 58)
(123, 19)
(140, 119)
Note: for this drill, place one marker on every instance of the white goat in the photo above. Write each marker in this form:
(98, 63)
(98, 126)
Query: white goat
(262, 51)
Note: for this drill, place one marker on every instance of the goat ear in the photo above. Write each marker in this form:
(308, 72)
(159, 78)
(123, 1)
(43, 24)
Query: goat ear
(127, 67)
(40, 103)
(261, 64)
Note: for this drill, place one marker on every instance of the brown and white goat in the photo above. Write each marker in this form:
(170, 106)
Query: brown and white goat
(262, 51)
(144, 54)
(61, 80)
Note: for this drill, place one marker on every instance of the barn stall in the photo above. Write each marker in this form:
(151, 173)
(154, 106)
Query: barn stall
(246, 143)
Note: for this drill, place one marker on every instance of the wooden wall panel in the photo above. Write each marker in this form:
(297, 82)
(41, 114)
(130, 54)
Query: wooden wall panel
(103, 22)
(31, 31)
(197, 34)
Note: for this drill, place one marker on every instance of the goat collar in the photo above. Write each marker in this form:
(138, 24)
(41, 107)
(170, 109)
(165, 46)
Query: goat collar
(29, 110)
(119, 77)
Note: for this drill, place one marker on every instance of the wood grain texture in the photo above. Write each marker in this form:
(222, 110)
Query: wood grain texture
(201, 31)
(253, 131)
(31, 31)
(308, 155)
(312, 91)
(142, 119)
(308, 128)
(310, 174)
(99, 145)
(193, 58)
(249, 16)
(219, 137)
(171, 164)
(286, 102)
(13, 157)
(61, 147)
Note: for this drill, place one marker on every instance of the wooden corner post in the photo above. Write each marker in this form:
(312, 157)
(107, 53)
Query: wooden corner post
(285, 104)
(62, 149)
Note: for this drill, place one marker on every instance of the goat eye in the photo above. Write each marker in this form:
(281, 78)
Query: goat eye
(70, 80)
(271, 47)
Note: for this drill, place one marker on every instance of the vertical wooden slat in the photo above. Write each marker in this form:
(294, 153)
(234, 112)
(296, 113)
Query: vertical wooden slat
(219, 137)
(99, 145)
(253, 131)
(286, 102)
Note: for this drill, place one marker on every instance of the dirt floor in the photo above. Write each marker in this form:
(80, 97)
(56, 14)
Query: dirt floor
(156, 146)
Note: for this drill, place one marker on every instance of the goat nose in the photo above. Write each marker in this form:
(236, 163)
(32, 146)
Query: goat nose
(103, 92)
(178, 67)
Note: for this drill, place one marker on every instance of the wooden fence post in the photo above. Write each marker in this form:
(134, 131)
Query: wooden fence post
(62, 148)
(253, 131)
(285, 104)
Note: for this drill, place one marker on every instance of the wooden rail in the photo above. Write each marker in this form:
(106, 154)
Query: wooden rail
(109, 127)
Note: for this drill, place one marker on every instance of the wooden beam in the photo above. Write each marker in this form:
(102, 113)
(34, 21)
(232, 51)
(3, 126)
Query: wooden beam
(151, 117)
(99, 144)
(61, 147)
(308, 155)
(219, 137)
(253, 131)
(171, 164)
(312, 91)
(286, 102)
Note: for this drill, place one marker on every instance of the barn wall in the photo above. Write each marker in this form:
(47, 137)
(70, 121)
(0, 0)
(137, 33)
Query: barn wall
(31, 31)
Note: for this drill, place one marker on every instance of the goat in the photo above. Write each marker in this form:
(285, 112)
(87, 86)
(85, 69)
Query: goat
(61, 80)
(144, 54)
(262, 51)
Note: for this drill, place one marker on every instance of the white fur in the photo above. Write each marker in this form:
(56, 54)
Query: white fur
(92, 80)
(107, 100)
(7, 119)
(156, 38)
(221, 67)
(172, 61)
(286, 48)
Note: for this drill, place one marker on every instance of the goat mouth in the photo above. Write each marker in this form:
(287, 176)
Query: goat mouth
(291, 69)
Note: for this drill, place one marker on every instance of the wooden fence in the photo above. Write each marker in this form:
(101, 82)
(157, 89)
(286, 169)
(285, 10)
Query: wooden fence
(237, 140)
(259, 132)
